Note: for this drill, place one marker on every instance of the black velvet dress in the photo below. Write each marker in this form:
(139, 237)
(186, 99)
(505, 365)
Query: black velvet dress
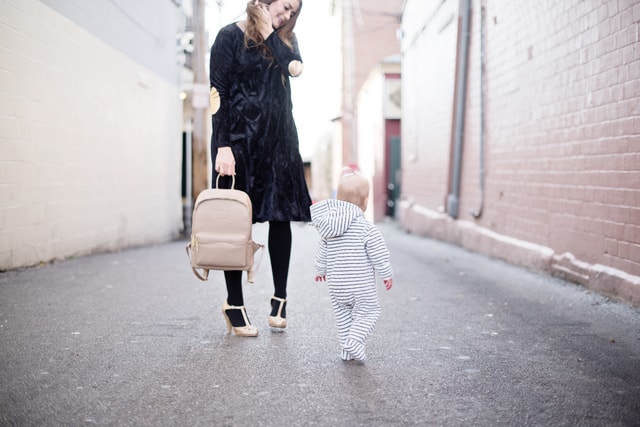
(255, 119)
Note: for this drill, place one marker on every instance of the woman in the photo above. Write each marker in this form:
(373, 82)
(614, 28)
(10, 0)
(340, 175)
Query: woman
(255, 138)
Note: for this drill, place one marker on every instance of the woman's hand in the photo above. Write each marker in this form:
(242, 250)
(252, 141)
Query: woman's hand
(225, 162)
(265, 24)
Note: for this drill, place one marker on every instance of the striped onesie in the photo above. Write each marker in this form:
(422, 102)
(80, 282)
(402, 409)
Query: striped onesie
(350, 253)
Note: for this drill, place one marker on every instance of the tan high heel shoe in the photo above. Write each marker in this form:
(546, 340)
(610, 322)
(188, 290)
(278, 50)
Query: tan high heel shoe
(248, 330)
(278, 321)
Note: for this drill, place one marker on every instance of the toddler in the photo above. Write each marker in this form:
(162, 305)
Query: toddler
(350, 253)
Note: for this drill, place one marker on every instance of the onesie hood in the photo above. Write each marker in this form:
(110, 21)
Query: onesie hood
(333, 217)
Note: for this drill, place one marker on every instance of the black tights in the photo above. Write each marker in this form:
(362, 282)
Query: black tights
(280, 254)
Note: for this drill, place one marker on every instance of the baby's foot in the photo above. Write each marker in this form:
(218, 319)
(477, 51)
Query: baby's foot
(355, 350)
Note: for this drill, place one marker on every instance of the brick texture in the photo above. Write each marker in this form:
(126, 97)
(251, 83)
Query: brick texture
(562, 122)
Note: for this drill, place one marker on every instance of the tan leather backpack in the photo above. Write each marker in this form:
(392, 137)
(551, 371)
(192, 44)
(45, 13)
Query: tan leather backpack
(221, 232)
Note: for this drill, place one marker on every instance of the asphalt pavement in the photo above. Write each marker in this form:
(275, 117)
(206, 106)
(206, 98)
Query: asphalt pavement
(132, 338)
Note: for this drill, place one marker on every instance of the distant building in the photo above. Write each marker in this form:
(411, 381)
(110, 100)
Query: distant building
(370, 46)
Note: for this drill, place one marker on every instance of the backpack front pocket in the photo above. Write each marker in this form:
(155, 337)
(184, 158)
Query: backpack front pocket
(220, 252)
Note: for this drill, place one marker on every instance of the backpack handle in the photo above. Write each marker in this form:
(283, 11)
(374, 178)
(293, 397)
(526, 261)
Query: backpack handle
(233, 181)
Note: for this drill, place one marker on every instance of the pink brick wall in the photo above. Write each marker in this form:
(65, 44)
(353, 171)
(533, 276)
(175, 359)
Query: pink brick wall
(562, 125)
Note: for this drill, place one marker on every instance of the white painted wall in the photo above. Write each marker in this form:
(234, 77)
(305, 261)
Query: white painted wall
(371, 132)
(90, 142)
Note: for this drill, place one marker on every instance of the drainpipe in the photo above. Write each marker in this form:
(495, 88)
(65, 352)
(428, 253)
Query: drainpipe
(453, 199)
(476, 213)
(188, 197)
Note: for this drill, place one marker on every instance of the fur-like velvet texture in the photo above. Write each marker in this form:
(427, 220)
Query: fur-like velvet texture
(255, 119)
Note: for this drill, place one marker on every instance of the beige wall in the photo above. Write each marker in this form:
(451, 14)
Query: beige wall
(428, 69)
(89, 142)
(371, 135)
(374, 26)
(562, 135)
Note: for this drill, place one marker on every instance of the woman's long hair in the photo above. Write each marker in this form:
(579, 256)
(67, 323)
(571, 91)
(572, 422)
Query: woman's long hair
(251, 33)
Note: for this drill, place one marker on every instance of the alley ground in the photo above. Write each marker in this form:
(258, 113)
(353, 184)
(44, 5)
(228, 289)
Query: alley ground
(134, 339)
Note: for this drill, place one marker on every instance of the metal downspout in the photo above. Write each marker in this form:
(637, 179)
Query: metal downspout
(478, 212)
(453, 199)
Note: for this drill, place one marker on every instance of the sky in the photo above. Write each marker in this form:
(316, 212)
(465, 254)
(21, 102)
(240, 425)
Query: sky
(316, 93)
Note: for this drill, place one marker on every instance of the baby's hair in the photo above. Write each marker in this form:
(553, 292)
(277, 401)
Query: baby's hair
(353, 188)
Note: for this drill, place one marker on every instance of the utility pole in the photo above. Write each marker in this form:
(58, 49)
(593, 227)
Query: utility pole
(201, 111)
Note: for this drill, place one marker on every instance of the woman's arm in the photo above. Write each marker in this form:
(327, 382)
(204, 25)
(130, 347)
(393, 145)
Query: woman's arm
(288, 59)
(220, 72)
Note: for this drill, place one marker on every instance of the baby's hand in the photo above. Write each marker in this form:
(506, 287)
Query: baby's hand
(388, 283)
(321, 278)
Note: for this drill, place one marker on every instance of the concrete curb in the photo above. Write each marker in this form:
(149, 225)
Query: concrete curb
(604, 280)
